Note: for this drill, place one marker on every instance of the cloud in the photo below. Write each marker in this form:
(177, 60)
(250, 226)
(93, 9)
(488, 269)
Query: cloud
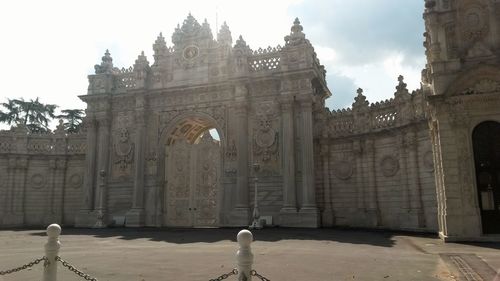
(343, 93)
(364, 31)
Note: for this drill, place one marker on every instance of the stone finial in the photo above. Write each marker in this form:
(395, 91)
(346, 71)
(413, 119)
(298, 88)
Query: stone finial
(360, 100)
(401, 87)
(224, 35)
(296, 36)
(106, 65)
(60, 127)
(141, 63)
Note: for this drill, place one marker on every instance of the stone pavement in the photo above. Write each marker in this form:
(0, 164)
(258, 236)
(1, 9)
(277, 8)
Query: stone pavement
(151, 254)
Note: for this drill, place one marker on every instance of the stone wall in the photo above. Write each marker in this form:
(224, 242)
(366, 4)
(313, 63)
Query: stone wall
(374, 165)
(41, 177)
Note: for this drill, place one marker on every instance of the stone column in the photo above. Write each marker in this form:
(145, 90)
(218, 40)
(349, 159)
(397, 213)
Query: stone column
(83, 216)
(308, 212)
(19, 167)
(289, 191)
(241, 214)
(102, 164)
(54, 206)
(136, 216)
(372, 212)
(416, 203)
(359, 218)
(327, 216)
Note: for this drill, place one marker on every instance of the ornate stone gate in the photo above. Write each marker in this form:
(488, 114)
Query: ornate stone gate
(142, 121)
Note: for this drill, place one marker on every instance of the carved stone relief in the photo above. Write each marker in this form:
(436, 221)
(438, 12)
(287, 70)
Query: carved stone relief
(37, 181)
(75, 180)
(124, 153)
(474, 23)
(389, 166)
(266, 139)
(343, 169)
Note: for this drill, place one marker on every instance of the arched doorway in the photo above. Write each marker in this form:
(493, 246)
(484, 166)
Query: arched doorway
(486, 142)
(192, 174)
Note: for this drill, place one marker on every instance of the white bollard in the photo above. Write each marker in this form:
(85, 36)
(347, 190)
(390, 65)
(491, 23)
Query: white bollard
(244, 255)
(51, 251)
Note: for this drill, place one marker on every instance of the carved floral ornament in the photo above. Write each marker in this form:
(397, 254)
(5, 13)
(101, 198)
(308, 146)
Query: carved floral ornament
(484, 86)
(474, 22)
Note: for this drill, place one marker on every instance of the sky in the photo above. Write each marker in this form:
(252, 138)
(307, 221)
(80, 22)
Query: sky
(49, 47)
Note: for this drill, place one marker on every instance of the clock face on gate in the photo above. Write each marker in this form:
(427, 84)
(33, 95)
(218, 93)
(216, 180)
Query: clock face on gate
(190, 52)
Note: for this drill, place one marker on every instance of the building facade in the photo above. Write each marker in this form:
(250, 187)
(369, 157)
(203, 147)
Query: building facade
(426, 160)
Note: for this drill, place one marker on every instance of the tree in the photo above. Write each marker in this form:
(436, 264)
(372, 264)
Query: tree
(11, 115)
(33, 114)
(72, 119)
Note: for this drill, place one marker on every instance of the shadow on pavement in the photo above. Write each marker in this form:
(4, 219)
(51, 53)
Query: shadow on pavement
(210, 235)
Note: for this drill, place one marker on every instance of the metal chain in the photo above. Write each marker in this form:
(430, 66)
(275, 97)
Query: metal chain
(75, 270)
(225, 275)
(25, 266)
(254, 273)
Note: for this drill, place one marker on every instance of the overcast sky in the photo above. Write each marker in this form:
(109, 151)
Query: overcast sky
(49, 47)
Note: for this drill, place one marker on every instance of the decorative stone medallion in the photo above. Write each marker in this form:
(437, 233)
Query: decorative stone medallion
(389, 166)
(75, 181)
(343, 169)
(37, 181)
(190, 52)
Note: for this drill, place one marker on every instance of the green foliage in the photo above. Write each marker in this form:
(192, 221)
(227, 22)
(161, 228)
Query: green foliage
(72, 119)
(36, 116)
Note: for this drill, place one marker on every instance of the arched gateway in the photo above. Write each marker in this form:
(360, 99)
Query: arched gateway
(150, 160)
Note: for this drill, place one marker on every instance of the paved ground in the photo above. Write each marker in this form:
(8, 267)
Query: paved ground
(280, 254)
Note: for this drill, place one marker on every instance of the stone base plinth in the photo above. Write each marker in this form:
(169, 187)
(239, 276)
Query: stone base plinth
(90, 218)
(462, 228)
(411, 220)
(309, 217)
(372, 218)
(135, 218)
(16, 219)
(306, 217)
(239, 217)
(52, 218)
(327, 218)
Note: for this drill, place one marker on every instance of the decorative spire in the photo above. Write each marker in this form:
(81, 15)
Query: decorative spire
(190, 25)
(191, 30)
(224, 35)
(296, 36)
(205, 30)
(241, 44)
(106, 64)
(160, 48)
(360, 100)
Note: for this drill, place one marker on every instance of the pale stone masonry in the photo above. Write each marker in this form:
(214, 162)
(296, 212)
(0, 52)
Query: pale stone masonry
(145, 157)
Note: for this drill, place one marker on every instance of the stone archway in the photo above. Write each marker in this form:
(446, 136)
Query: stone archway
(486, 141)
(192, 195)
